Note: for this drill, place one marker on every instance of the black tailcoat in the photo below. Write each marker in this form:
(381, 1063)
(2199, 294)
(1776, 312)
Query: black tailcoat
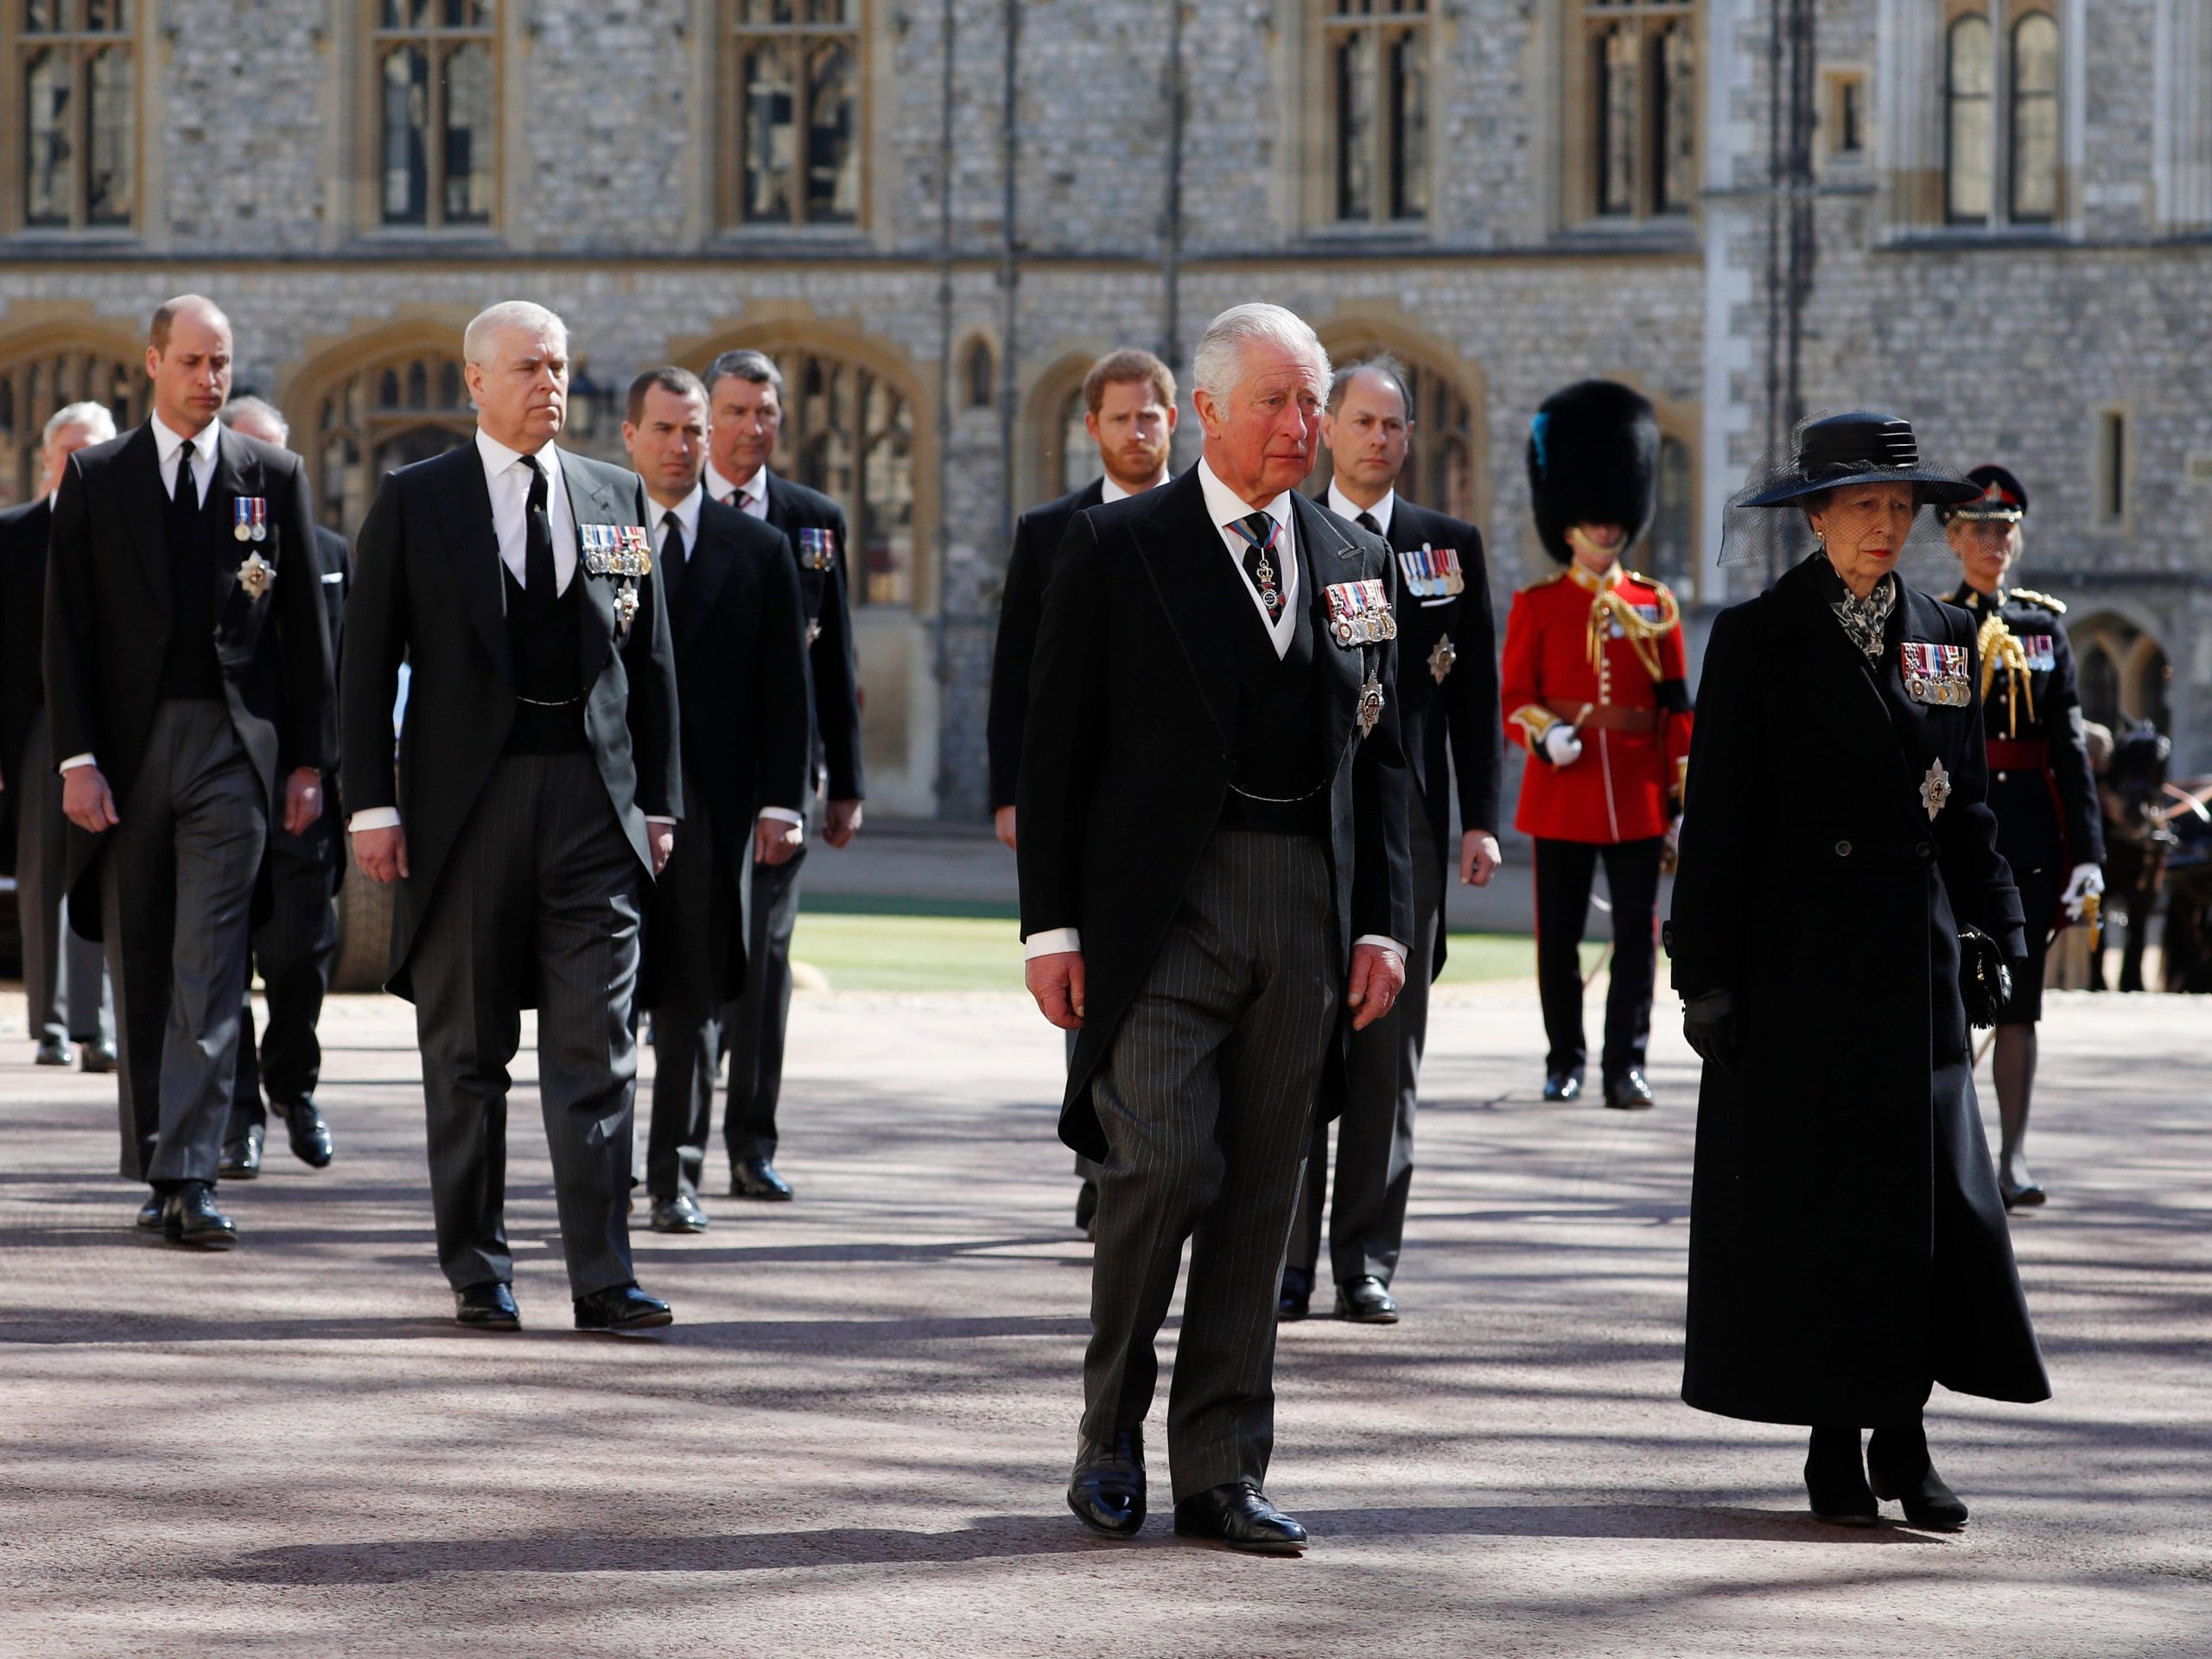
(741, 671)
(833, 672)
(1847, 1244)
(1456, 716)
(107, 620)
(1037, 536)
(24, 534)
(428, 588)
(1134, 697)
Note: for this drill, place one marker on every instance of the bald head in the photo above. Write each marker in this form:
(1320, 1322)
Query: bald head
(188, 360)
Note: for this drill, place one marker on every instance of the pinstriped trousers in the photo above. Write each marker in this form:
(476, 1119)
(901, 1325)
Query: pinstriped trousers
(542, 889)
(1205, 1095)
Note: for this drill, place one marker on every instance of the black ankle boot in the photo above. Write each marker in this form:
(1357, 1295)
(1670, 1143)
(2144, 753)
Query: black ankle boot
(1835, 1481)
(1897, 1461)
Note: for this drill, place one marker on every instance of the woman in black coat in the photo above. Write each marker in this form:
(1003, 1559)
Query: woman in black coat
(1848, 1247)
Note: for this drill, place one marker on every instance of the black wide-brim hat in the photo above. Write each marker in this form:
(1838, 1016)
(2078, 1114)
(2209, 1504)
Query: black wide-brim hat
(1859, 449)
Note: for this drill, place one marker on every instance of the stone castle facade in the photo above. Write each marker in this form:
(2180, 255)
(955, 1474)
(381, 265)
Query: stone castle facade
(935, 213)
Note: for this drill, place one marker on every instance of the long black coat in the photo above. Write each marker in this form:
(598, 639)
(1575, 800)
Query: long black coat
(1036, 536)
(1132, 724)
(1847, 1243)
(832, 664)
(107, 622)
(24, 534)
(740, 674)
(427, 589)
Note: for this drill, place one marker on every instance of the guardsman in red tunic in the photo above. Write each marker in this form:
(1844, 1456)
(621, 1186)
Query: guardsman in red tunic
(1593, 687)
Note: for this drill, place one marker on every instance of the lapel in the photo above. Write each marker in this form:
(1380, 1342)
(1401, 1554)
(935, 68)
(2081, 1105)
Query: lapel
(591, 502)
(779, 508)
(139, 464)
(1921, 618)
(1183, 555)
(1329, 558)
(238, 473)
(706, 566)
(465, 515)
(1845, 698)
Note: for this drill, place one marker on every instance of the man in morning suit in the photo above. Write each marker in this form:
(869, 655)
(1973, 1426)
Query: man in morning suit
(538, 779)
(295, 942)
(1447, 699)
(744, 414)
(1214, 872)
(741, 669)
(1130, 398)
(65, 980)
(188, 679)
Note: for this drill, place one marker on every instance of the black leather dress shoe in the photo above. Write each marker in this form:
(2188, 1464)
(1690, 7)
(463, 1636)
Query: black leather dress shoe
(1365, 1300)
(488, 1306)
(621, 1308)
(1899, 1468)
(1628, 1092)
(756, 1178)
(1236, 1515)
(1563, 1085)
(150, 1214)
(310, 1135)
(241, 1159)
(52, 1051)
(2017, 1197)
(1835, 1479)
(1295, 1300)
(678, 1214)
(190, 1217)
(1106, 1491)
(96, 1056)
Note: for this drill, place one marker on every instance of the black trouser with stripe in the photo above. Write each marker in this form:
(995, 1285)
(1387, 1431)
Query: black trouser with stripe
(1564, 871)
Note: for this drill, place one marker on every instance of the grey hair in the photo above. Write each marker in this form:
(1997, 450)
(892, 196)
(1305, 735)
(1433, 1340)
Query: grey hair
(744, 364)
(98, 417)
(1218, 363)
(476, 343)
(257, 408)
(1383, 364)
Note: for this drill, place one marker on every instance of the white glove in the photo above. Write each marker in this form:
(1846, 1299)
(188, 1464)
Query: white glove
(1562, 747)
(2087, 882)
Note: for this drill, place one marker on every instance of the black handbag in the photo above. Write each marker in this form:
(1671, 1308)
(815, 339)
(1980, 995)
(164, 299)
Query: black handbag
(1985, 983)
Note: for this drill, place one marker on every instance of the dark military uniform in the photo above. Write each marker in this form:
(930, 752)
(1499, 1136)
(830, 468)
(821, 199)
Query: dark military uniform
(2040, 785)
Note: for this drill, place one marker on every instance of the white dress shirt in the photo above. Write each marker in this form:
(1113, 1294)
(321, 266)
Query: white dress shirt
(751, 498)
(1225, 508)
(1344, 508)
(1112, 492)
(506, 475)
(168, 445)
(687, 516)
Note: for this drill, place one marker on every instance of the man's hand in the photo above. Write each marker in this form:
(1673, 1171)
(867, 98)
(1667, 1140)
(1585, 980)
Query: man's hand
(85, 801)
(1377, 977)
(303, 800)
(1002, 826)
(1478, 858)
(1562, 744)
(660, 842)
(1055, 982)
(843, 821)
(775, 841)
(382, 853)
(1709, 1023)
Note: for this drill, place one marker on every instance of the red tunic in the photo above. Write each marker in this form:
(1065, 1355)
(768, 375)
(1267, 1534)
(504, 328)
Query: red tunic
(1614, 647)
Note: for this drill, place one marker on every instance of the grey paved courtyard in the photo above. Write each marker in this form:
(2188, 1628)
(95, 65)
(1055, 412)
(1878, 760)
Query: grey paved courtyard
(853, 1440)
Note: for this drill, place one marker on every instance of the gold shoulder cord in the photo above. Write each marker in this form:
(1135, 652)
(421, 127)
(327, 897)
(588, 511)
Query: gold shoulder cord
(1610, 607)
(2001, 648)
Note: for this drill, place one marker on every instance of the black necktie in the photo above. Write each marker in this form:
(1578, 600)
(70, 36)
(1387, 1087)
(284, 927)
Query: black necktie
(538, 573)
(671, 554)
(184, 505)
(1366, 522)
(1258, 532)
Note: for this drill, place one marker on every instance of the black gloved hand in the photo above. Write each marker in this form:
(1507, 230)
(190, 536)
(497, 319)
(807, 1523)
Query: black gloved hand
(1709, 1022)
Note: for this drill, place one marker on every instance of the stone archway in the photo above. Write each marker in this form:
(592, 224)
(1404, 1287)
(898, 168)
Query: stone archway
(1444, 469)
(378, 401)
(50, 366)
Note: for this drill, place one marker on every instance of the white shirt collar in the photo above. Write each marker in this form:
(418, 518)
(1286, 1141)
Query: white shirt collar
(498, 459)
(1344, 508)
(1225, 507)
(721, 488)
(687, 514)
(1109, 491)
(167, 442)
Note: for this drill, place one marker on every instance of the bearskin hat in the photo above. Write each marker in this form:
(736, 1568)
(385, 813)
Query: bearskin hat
(1594, 459)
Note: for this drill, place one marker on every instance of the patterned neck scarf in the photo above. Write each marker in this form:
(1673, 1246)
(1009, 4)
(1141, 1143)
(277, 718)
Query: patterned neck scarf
(1867, 619)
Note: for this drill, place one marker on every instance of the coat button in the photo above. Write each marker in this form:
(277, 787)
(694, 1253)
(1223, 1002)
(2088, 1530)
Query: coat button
(1843, 849)
(1922, 849)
